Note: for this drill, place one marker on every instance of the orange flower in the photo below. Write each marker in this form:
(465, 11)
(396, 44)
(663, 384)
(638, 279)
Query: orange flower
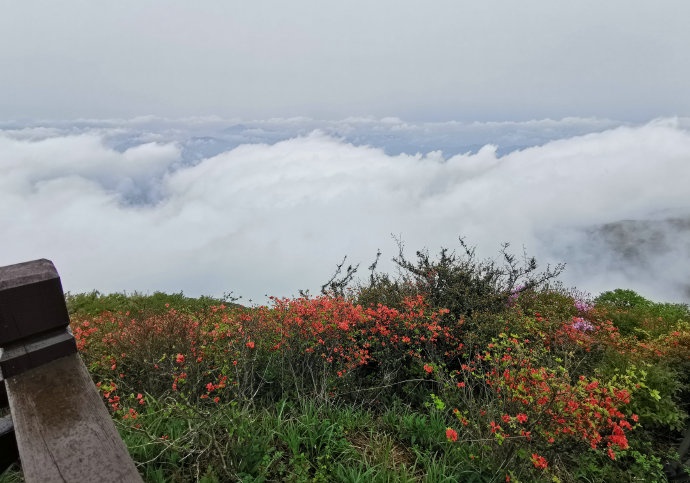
(429, 369)
(539, 461)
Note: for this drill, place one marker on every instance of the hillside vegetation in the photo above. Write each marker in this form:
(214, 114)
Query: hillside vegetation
(455, 369)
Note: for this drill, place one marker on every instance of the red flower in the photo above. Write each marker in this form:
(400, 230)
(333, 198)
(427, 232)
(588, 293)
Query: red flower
(429, 369)
(250, 344)
(539, 462)
(179, 359)
(451, 434)
(522, 418)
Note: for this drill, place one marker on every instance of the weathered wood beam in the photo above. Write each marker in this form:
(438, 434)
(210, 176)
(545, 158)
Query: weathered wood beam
(62, 427)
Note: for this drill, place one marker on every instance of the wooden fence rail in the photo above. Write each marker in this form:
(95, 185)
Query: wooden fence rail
(62, 429)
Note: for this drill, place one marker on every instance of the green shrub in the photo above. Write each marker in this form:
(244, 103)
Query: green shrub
(95, 303)
(622, 299)
(636, 316)
(465, 285)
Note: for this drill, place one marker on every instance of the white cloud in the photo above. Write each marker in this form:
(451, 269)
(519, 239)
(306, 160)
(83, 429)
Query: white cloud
(131, 174)
(273, 218)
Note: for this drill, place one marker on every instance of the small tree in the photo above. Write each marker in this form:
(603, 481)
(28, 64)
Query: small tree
(458, 282)
(465, 285)
(622, 299)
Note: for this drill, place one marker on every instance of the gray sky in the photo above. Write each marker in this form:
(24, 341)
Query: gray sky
(445, 59)
(128, 155)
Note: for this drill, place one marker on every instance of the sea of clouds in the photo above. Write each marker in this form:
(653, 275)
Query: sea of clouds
(209, 205)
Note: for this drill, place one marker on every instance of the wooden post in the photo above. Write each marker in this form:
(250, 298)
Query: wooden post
(63, 430)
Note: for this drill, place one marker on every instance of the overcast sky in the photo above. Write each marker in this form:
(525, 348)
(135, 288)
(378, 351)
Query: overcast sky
(438, 60)
(216, 145)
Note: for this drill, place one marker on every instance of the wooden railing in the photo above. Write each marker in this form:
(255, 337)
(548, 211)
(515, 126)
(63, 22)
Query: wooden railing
(58, 425)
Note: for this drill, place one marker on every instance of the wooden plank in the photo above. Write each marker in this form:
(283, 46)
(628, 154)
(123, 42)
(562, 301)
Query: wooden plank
(63, 430)
(33, 352)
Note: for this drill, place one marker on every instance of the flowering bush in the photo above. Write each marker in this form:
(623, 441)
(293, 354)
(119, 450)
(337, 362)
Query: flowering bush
(514, 399)
(530, 391)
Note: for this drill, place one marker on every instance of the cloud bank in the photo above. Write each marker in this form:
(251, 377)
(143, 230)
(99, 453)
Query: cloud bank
(119, 206)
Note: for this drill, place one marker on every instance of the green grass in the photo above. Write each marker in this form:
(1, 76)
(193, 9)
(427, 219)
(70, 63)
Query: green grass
(13, 474)
(299, 443)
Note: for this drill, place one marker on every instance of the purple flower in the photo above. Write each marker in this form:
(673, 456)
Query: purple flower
(582, 306)
(581, 324)
(514, 294)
